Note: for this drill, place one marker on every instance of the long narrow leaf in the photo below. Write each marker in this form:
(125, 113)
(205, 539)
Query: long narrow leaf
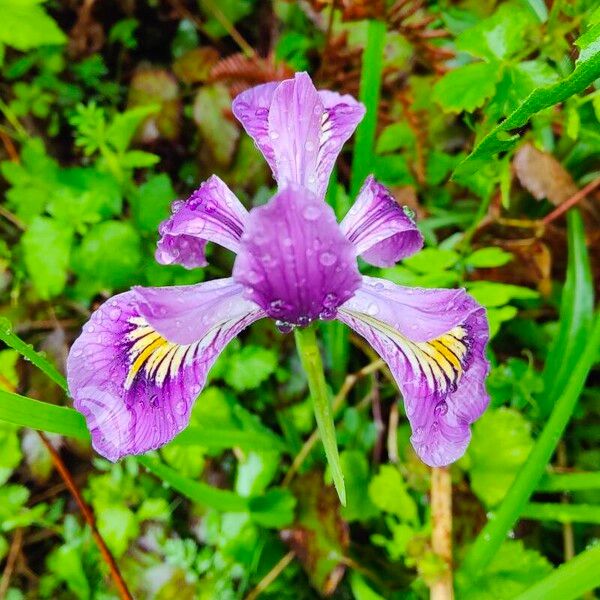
(569, 482)
(494, 533)
(206, 495)
(39, 360)
(576, 311)
(562, 513)
(571, 580)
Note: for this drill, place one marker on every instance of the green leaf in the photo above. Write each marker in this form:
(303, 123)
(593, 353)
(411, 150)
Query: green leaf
(500, 445)
(138, 159)
(432, 259)
(577, 305)
(274, 509)
(25, 25)
(361, 590)
(468, 87)
(388, 492)
(10, 451)
(500, 138)
(150, 203)
(249, 367)
(395, 136)
(492, 293)
(356, 474)
(47, 247)
(513, 570)
(118, 526)
(501, 35)
(122, 128)
(109, 256)
(493, 534)
(571, 580)
(562, 513)
(210, 109)
(488, 257)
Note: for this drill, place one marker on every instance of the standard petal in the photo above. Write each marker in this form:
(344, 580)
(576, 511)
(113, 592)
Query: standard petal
(434, 343)
(294, 261)
(211, 214)
(379, 227)
(135, 387)
(300, 131)
(251, 109)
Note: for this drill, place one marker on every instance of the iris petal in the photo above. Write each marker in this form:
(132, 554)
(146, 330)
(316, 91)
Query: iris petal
(299, 130)
(294, 261)
(379, 227)
(135, 386)
(211, 214)
(434, 343)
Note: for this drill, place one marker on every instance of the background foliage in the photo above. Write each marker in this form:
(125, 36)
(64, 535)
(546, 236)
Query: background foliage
(483, 119)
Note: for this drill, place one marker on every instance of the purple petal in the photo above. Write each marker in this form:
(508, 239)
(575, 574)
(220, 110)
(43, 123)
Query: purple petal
(211, 214)
(251, 109)
(434, 343)
(300, 131)
(379, 228)
(294, 260)
(135, 388)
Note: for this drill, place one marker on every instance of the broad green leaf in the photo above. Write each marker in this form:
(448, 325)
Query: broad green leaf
(388, 492)
(210, 109)
(488, 257)
(432, 259)
(468, 87)
(151, 201)
(355, 467)
(10, 451)
(492, 293)
(118, 526)
(273, 509)
(109, 255)
(249, 367)
(395, 136)
(500, 445)
(122, 128)
(138, 159)
(571, 580)
(512, 571)
(501, 35)
(500, 139)
(25, 25)
(47, 247)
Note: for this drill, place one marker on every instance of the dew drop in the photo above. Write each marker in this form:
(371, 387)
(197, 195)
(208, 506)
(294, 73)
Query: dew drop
(330, 300)
(114, 313)
(327, 259)
(273, 135)
(311, 212)
(284, 326)
(180, 408)
(304, 321)
(372, 309)
(254, 277)
(309, 146)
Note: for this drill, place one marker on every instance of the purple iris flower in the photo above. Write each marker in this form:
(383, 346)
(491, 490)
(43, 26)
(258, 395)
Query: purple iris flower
(144, 356)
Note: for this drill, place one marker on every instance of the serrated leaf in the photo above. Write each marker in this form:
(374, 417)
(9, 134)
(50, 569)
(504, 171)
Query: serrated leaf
(500, 445)
(468, 87)
(249, 367)
(25, 25)
(47, 247)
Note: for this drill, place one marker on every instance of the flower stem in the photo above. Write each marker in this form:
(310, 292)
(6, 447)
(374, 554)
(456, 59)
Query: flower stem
(306, 343)
(441, 533)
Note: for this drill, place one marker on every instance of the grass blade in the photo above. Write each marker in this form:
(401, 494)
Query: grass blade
(202, 493)
(569, 581)
(563, 513)
(569, 482)
(26, 350)
(576, 310)
(370, 88)
(494, 533)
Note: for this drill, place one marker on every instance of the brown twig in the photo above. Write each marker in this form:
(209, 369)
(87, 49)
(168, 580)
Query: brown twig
(339, 399)
(88, 515)
(271, 576)
(11, 561)
(392, 436)
(572, 201)
(10, 147)
(441, 530)
(4, 212)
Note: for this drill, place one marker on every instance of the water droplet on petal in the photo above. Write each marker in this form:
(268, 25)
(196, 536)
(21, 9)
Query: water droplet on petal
(284, 326)
(180, 408)
(304, 321)
(309, 146)
(330, 300)
(114, 313)
(311, 212)
(327, 259)
(273, 135)
(372, 309)
(254, 277)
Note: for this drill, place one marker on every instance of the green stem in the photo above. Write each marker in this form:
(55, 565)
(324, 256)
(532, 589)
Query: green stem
(308, 349)
(569, 581)
(370, 87)
(494, 533)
